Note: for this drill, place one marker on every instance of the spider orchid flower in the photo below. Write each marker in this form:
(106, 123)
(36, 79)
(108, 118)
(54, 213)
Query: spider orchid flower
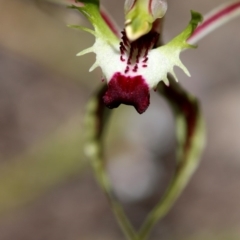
(132, 66)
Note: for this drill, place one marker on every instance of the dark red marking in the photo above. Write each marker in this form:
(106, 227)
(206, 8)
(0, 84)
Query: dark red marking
(127, 90)
(127, 69)
(135, 68)
(145, 59)
(137, 50)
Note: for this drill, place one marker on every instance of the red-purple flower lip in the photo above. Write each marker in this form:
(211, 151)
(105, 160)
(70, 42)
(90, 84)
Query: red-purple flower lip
(127, 90)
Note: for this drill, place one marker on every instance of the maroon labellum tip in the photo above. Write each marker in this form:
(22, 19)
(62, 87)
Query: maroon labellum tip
(127, 90)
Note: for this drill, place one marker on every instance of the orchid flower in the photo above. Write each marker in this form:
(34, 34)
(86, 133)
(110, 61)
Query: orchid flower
(131, 65)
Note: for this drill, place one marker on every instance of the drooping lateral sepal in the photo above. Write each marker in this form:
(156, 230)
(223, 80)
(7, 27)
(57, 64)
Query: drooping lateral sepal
(190, 135)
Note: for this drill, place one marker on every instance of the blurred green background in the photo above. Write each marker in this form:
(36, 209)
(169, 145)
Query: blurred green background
(47, 190)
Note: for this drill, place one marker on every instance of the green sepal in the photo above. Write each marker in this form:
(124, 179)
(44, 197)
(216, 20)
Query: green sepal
(180, 41)
(91, 11)
(171, 51)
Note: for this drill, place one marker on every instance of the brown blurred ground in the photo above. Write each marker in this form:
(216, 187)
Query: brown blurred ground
(43, 89)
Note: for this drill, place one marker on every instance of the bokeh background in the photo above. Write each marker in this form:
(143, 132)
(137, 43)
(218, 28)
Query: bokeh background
(47, 189)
